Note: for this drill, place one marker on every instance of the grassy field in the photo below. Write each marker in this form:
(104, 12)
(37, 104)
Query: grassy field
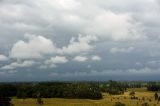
(108, 100)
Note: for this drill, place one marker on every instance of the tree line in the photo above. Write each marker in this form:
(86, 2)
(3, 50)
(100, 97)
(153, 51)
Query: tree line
(153, 86)
(82, 90)
(51, 90)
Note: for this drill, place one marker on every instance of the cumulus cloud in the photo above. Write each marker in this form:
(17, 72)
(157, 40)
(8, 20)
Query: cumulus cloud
(15, 65)
(121, 50)
(36, 47)
(12, 71)
(55, 60)
(96, 58)
(81, 44)
(80, 58)
(3, 58)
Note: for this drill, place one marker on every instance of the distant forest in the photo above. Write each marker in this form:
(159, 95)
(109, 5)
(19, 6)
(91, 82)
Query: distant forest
(82, 90)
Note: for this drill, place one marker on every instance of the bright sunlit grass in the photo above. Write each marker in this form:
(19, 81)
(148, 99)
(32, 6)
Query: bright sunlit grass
(108, 100)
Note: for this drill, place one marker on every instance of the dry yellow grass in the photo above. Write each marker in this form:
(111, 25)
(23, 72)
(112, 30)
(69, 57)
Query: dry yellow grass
(108, 100)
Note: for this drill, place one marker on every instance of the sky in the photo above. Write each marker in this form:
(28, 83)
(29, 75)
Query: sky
(70, 40)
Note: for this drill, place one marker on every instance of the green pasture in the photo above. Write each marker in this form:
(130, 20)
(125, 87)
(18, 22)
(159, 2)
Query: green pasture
(108, 100)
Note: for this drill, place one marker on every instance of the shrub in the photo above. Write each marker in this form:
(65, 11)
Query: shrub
(145, 104)
(39, 101)
(132, 93)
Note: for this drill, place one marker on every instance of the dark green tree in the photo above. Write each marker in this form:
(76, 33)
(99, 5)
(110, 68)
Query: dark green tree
(6, 91)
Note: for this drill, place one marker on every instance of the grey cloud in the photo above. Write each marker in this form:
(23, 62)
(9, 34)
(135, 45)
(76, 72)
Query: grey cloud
(3, 58)
(15, 65)
(121, 50)
(129, 28)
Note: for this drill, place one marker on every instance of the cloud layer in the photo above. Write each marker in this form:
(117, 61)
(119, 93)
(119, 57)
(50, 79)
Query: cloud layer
(74, 40)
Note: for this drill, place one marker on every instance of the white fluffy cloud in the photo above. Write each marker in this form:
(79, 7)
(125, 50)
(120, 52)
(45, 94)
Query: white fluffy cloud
(80, 58)
(3, 58)
(56, 60)
(121, 50)
(96, 58)
(15, 65)
(36, 47)
(81, 45)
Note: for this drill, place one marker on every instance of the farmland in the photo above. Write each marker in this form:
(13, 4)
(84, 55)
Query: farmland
(107, 100)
